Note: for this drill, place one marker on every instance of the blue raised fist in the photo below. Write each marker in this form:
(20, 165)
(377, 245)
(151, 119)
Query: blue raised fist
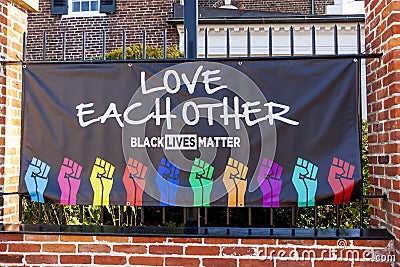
(36, 179)
(167, 182)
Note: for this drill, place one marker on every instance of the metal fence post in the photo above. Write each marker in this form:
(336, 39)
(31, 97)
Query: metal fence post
(190, 20)
(190, 17)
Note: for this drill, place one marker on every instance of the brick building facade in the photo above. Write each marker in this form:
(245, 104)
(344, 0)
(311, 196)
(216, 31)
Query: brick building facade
(383, 90)
(13, 22)
(133, 16)
(25, 249)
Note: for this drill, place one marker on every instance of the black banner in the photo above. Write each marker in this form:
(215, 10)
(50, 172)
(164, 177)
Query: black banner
(198, 133)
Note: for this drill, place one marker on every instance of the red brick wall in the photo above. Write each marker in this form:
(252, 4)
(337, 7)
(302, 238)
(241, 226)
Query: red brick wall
(132, 16)
(68, 250)
(13, 25)
(383, 92)
(296, 6)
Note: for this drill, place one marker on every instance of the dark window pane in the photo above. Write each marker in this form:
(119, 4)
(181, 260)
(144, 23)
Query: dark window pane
(76, 7)
(85, 6)
(94, 6)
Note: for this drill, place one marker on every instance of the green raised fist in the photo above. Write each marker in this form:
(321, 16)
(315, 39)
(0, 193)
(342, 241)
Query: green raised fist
(201, 181)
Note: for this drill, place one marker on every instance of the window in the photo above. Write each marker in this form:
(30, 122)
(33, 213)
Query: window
(85, 6)
(82, 8)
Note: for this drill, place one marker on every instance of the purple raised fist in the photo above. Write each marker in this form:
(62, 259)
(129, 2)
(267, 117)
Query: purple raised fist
(269, 179)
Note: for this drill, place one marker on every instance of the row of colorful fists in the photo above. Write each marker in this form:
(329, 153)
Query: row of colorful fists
(304, 179)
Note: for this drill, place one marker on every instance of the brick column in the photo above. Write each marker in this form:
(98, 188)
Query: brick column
(13, 23)
(383, 94)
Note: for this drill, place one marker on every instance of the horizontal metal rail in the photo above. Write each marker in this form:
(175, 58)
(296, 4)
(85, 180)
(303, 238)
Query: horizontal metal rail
(178, 60)
(282, 233)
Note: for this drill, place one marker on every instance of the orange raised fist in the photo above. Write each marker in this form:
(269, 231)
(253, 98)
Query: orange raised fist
(235, 182)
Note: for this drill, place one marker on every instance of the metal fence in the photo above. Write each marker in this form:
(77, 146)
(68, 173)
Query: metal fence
(291, 222)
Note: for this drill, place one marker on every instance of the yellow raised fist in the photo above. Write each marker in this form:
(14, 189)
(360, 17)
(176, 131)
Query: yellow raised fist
(102, 182)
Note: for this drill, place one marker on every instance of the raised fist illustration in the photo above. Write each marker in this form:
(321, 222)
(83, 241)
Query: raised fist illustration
(134, 182)
(305, 181)
(68, 179)
(269, 179)
(36, 179)
(102, 182)
(167, 181)
(235, 182)
(341, 180)
(201, 181)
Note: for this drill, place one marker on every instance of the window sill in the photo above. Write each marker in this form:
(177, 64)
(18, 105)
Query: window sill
(83, 15)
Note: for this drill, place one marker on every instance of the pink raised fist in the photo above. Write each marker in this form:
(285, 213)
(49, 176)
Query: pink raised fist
(69, 181)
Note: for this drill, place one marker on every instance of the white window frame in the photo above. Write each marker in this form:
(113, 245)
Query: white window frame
(82, 13)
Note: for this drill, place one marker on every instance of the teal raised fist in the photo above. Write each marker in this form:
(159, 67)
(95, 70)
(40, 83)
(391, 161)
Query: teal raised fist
(305, 181)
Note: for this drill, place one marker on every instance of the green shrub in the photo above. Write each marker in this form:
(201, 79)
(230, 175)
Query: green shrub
(152, 52)
(349, 213)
